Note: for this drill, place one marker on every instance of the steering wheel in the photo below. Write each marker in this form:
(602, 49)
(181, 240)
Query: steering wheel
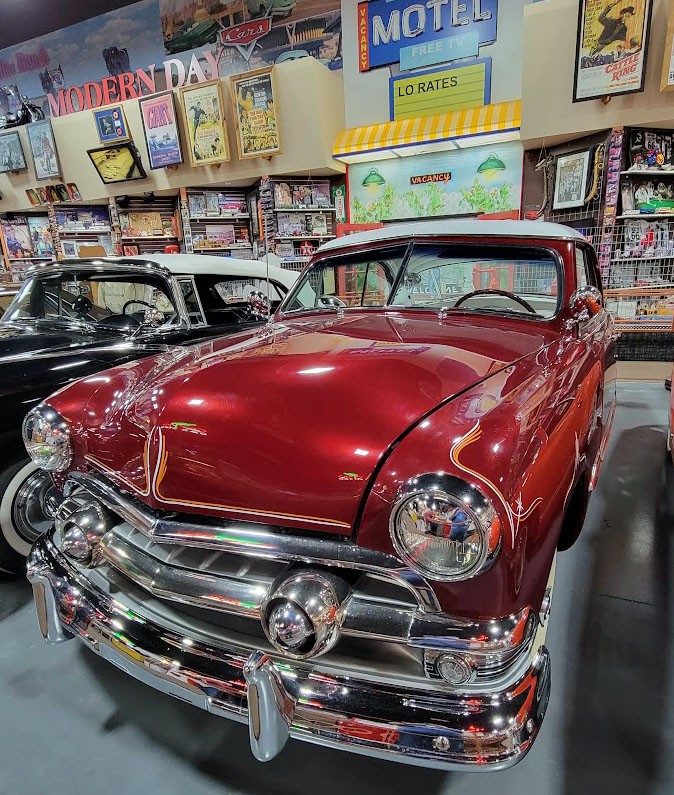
(135, 301)
(504, 293)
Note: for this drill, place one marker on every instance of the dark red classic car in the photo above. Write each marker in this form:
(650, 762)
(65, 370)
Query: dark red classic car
(342, 527)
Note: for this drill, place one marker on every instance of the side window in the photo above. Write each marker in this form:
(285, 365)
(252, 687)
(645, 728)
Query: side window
(585, 273)
(192, 302)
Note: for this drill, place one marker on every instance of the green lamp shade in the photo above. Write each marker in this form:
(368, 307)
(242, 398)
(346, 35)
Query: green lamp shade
(492, 163)
(374, 178)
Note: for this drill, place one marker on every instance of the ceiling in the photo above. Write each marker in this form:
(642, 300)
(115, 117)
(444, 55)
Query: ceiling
(21, 20)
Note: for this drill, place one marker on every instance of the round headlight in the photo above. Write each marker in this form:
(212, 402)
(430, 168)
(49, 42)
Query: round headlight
(445, 528)
(46, 436)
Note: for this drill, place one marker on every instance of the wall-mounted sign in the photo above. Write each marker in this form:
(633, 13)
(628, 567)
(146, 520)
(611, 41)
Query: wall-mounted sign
(416, 56)
(472, 181)
(441, 90)
(385, 27)
(611, 48)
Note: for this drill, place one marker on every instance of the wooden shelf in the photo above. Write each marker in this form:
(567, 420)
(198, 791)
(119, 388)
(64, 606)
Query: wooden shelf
(29, 259)
(222, 248)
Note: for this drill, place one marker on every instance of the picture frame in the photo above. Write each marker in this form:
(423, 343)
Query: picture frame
(160, 130)
(43, 150)
(204, 117)
(667, 79)
(12, 157)
(258, 131)
(117, 163)
(111, 124)
(571, 175)
(619, 32)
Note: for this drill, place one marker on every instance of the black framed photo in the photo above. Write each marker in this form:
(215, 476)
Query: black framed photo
(611, 48)
(118, 163)
(111, 124)
(43, 149)
(571, 173)
(12, 157)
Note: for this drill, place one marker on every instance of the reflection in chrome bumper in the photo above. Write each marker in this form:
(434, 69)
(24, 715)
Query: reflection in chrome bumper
(281, 699)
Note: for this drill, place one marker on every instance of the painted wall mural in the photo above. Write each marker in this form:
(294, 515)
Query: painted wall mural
(154, 44)
(472, 181)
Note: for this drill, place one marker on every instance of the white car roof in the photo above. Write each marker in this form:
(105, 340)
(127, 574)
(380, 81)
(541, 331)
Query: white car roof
(468, 228)
(196, 264)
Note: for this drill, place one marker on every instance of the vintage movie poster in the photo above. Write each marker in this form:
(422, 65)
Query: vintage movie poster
(160, 128)
(11, 153)
(43, 149)
(611, 47)
(205, 123)
(257, 128)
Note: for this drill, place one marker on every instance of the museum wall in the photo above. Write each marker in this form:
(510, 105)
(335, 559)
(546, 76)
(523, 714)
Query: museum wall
(367, 93)
(548, 114)
(310, 121)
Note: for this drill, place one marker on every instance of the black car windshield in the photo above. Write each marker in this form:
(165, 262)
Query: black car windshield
(111, 300)
(513, 279)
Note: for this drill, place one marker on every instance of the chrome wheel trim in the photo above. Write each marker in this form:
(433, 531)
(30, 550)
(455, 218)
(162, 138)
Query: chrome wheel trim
(34, 506)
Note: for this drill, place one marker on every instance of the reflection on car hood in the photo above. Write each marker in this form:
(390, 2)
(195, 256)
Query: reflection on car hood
(287, 424)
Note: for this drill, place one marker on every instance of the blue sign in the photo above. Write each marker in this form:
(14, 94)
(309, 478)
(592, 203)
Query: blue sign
(416, 56)
(387, 27)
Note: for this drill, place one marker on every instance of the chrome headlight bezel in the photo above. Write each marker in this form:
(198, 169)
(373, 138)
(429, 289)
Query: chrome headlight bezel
(46, 437)
(481, 516)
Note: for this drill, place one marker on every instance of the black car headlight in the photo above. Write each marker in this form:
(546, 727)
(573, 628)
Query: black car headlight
(46, 436)
(444, 528)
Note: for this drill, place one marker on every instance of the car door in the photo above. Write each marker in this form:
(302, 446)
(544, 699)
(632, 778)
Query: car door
(600, 335)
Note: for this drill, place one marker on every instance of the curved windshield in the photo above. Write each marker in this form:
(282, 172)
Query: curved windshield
(113, 299)
(512, 279)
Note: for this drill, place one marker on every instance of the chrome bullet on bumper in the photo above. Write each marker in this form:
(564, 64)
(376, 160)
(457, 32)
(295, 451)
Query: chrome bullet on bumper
(281, 698)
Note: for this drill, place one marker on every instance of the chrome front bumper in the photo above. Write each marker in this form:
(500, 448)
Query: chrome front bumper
(280, 698)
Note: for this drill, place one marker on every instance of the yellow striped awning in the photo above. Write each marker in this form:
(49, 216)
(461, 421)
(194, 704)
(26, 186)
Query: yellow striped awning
(499, 117)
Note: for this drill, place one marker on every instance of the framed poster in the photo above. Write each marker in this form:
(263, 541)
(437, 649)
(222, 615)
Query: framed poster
(203, 111)
(117, 163)
(111, 124)
(667, 80)
(43, 149)
(611, 48)
(160, 128)
(11, 153)
(257, 131)
(571, 180)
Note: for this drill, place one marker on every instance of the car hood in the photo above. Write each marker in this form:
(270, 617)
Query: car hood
(286, 425)
(17, 339)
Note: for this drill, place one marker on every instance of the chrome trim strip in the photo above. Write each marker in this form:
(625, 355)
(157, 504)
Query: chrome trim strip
(445, 730)
(259, 541)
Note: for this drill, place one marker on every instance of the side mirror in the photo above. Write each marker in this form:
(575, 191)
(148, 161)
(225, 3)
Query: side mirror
(585, 303)
(259, 305)
(153, 318)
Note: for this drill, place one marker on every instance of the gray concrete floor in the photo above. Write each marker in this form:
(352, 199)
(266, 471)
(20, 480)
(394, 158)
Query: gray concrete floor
(71, 723)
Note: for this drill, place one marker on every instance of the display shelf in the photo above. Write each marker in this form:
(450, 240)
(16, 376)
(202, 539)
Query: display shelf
(29, 259)
(644, 216)
(202, 249)
(647, 172)
(216, 218)
(148, 237)
(295, 259)
(303, 209)
(99, 230)
(304, 237)
(645, 258)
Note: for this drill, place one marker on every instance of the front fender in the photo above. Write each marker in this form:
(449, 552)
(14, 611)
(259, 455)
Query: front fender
(523, 437)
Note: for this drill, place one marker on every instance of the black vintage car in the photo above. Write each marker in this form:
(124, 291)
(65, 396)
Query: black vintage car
(79, 317)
